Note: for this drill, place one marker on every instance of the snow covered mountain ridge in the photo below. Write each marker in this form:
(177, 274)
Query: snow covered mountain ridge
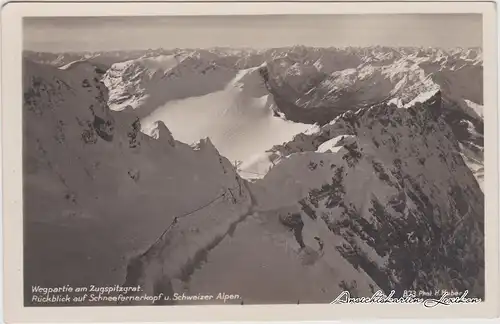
(59, 59)
(303, 85)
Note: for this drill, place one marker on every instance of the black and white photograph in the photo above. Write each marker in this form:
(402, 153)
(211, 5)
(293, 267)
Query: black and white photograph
(281, 159)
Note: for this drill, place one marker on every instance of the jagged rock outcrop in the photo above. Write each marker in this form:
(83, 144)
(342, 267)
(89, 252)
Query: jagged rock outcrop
(149, 82)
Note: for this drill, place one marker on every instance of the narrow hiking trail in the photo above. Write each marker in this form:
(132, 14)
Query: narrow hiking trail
(149, 267)
(151, 262)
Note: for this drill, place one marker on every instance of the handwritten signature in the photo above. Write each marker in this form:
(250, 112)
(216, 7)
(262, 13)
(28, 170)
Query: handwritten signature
(380, 297)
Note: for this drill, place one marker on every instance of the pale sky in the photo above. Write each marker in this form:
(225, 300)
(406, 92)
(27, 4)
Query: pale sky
(126, 33)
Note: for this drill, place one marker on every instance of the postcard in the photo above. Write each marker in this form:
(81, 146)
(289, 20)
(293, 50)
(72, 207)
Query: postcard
(249, 161)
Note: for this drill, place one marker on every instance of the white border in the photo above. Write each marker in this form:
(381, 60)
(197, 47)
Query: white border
(12, 42)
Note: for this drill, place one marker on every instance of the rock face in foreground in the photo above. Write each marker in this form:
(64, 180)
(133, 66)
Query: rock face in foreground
(98, 192)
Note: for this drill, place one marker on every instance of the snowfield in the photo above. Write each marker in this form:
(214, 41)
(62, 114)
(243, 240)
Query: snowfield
(238, 119)
(281, 175)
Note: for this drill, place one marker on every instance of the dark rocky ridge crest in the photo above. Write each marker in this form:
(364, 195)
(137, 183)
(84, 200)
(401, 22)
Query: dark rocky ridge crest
(430, 229)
